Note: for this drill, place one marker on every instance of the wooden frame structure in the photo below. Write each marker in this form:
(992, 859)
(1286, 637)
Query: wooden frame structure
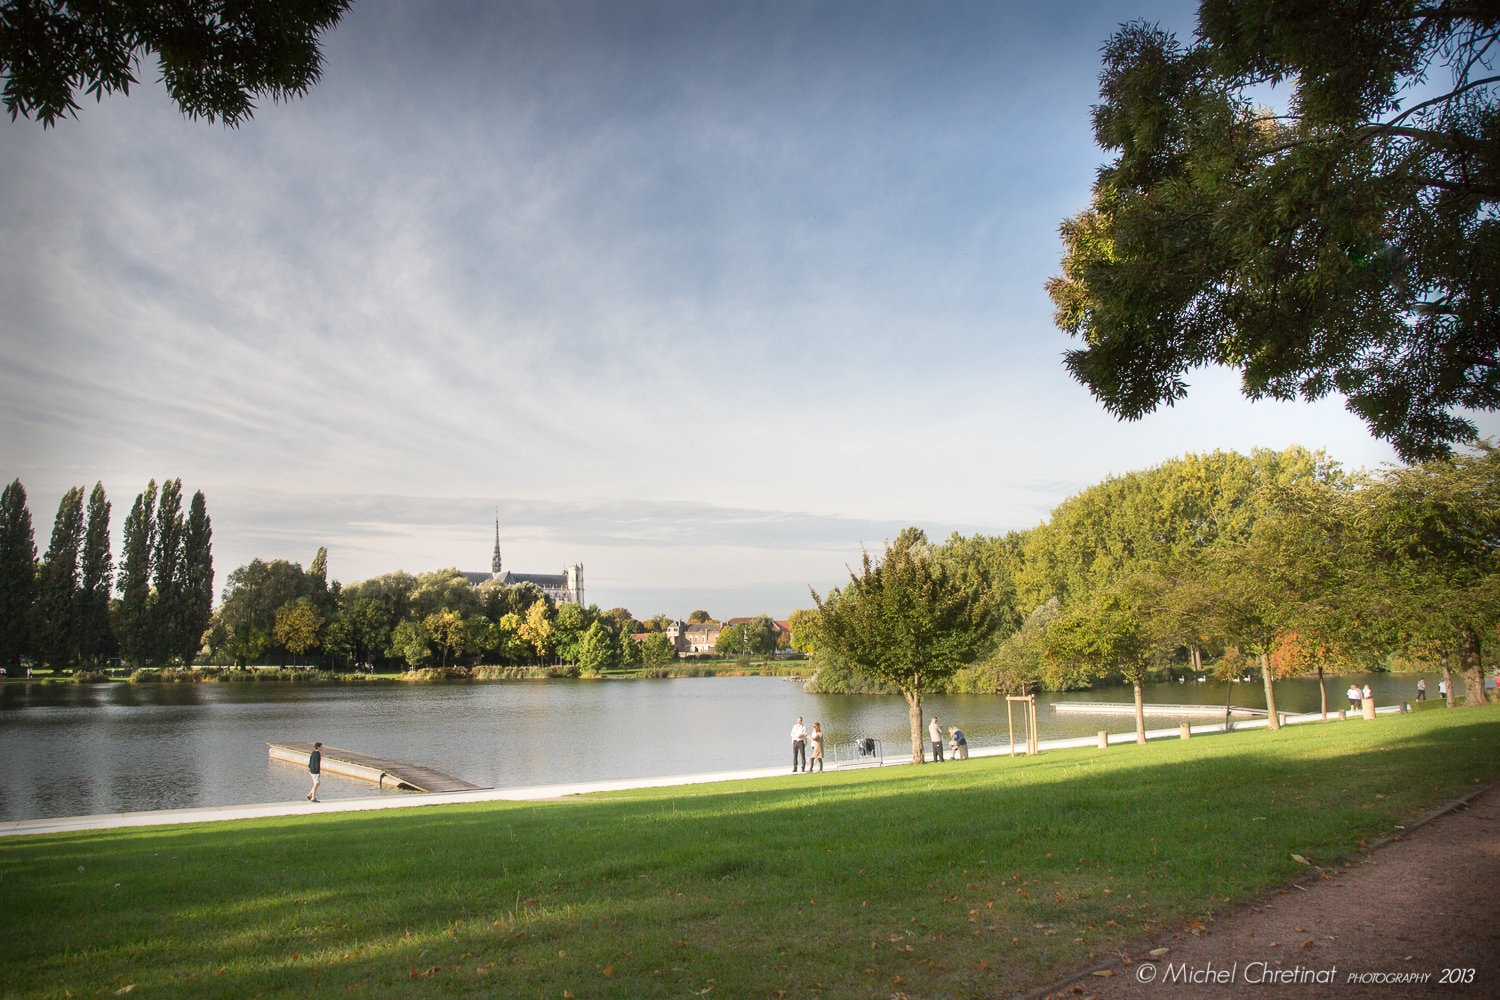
(1028, 719)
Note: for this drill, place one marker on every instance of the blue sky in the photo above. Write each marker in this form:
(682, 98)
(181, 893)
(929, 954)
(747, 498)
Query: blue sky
(702, 296)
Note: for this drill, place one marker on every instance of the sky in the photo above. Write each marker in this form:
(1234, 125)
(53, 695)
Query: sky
(702, 296)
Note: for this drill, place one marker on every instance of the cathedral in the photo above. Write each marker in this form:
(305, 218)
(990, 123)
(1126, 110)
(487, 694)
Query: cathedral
(564, 588)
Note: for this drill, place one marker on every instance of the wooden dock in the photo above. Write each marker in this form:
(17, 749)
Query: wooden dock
(411, 777)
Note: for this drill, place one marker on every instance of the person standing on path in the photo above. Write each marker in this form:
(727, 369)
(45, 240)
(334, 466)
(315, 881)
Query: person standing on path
(1421, 689)
(935, 732)
(799, 746)
(817, 747)
(315, 768)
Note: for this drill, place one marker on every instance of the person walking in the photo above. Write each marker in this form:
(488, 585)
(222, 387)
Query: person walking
(1421, 689)
(817, 747)
(935, 732)
(799, 746)
(315, 769)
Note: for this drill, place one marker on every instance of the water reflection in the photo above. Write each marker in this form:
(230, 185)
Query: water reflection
(79, 749)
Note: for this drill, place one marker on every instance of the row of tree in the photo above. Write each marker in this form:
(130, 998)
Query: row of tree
(1278, 562)
(276, 610)
(58, 611)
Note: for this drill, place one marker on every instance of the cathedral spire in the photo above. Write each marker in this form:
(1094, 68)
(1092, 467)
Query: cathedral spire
(495, 562)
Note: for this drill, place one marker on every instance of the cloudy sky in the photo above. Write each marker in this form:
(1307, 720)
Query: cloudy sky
(703, 296)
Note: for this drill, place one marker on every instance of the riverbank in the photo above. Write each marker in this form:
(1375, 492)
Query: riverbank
(982, 878)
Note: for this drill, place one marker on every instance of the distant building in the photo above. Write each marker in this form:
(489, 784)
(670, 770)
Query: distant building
(697, 638)
(564, 588)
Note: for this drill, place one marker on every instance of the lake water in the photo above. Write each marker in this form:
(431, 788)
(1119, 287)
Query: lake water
(109, 748)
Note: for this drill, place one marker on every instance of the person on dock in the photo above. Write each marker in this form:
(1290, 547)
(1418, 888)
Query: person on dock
(960, 743)
(817, 747)
(935, 732)
(799, 746)
(315, 769)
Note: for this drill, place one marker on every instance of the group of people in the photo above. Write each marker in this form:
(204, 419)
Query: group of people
(803, 761)
(1357, 696)
(800, 738)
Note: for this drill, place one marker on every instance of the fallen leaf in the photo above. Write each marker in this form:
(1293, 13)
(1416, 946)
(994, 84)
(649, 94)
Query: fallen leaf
(1300, 930)
(1300, 859)
(124, 990)
(1158, 952)
(1105, 973)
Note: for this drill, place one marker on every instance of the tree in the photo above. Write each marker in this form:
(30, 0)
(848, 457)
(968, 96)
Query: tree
(447, 631)
(216, 58)
(537, 629)
(908, 620)
(699, 617)
(96, 581)
(1434, 531)
(197, 585)
(17, 576)
(657, 650)
(1108, 633)
(134, 579)
(1347, 242)
(803, 623)
(168, 599)
(252, 595)
(595, 651)
(360, 629)
(298, 627)
(56, 636)
(409, 644)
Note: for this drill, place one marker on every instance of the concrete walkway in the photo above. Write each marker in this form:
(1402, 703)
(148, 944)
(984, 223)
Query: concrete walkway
(209, 814)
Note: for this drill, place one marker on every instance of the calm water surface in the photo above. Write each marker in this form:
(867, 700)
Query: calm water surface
(82, 749)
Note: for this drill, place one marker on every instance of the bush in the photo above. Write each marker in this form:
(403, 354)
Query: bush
(90, 677)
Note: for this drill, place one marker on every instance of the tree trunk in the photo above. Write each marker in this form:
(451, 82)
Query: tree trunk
(914, 714)
(1322, 692)
(1265, 675)
(1140, 714)
(1197, 660)
(1469, 664)
(1448, 680)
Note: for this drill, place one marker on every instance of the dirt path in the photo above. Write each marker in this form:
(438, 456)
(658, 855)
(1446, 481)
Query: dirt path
(1413, 912)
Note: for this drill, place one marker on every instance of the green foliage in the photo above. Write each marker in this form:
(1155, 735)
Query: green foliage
(17, 575)
(1345, 243)
(96, 640)
(657, 650)
(216, 59)
(911, 620)
(56, 628)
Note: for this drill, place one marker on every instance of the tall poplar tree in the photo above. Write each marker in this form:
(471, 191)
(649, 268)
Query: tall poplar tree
(167, 610)
(198, 578)
(58, 601)
(135, 577)
(17, 576)
(96, 580)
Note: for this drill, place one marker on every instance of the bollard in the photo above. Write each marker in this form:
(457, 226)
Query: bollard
(1103, 739)
(1405, 707)
(1370, 708)
(1343, 715)
(1187, 730)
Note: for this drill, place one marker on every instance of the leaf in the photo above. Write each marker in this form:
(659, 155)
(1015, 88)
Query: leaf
(1300, 859)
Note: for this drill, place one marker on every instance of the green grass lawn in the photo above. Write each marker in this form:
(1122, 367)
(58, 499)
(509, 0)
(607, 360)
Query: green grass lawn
(981, 878)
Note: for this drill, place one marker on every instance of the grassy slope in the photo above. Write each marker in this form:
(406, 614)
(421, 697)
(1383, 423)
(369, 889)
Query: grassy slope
(980, 878)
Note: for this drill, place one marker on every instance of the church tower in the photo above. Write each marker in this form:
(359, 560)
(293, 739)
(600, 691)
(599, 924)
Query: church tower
(495, 562)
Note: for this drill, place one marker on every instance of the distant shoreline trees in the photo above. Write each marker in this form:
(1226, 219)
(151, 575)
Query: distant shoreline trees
(57, 611)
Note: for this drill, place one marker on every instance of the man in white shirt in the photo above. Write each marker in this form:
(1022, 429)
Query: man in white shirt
(799, 746)
(936, 733)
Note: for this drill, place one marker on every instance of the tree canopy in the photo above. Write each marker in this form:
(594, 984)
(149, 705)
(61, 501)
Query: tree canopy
(1344, 242)
(911, 620)
(216, 58)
